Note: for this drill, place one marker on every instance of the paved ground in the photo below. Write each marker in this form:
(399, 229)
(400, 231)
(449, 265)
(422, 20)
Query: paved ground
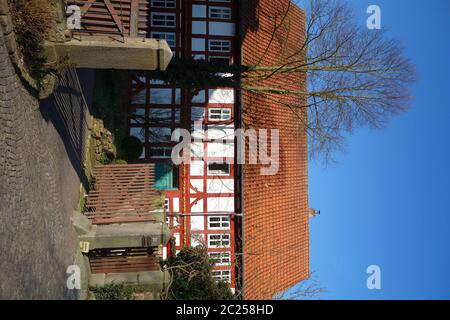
(40, 172)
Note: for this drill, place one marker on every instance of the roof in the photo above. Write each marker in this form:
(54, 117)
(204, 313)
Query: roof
(276, 223)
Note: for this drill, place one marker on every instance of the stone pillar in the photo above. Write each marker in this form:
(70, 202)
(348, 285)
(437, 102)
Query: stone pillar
(129, 54)
(127, 235)
(158, 280)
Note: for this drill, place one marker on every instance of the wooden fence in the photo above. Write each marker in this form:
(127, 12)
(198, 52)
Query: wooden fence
(123, 260)
(125, 18)
(123, 193)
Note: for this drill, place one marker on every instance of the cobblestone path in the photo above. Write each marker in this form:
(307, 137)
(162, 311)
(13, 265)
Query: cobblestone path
(41, 147)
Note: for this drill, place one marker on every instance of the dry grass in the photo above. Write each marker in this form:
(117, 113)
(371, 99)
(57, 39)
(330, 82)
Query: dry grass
(33, 21)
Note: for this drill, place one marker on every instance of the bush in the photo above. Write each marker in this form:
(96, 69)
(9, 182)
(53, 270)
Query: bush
(113, 292)
(111, 86)
(192, 278)
(130, 149)
(33, 21)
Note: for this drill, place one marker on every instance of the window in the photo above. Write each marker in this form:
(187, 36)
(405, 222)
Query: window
(161, 19)
(163, 3)
(160, 115)
(218, 168)
(168, 36)
(138, 133)
(219, 240)
(219, 45)
(222, 275)
(199, 97)
(219, 114)
(197, 114)
(160, 95)
(159, 135)
(138, 116)
(220, 258)
(166, 176)
(220, 13)
(218, 222)
(161, 152)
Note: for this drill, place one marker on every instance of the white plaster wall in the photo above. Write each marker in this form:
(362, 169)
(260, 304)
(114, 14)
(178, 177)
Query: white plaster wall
(225, 204)
(197, 223)
(197, 207)
(197, 168)
(197, 184)
(218, 185)
(197, 149)
(220, 132)
(198, 132)
(221, 96)
(177, 239)
(176, 204)
(217, 149)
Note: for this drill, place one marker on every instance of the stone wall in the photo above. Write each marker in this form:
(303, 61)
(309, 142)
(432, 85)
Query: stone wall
(8, 31)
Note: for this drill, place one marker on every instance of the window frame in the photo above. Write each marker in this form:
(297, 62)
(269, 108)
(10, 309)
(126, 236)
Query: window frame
(226, 16)
(166, 14)
(165, 150)
(216, 172)
(225, 45)
(224, 275)
(224, 237)
(222, 114)
(223, 225)
(221, 257)
(166, 4)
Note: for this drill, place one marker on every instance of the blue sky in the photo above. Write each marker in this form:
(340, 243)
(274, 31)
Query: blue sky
(386, 201)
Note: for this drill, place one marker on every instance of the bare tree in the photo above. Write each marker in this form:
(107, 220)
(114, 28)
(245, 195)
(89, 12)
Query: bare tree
(308, 289)
(355, 76)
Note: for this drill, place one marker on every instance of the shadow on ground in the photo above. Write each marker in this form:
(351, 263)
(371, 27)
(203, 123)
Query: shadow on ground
(68, 109)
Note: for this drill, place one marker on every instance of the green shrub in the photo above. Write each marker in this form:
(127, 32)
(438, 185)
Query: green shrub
(120, 162)
(111, 87)
(104, 159)
(192, 278)
(130, 149)
(113, 292)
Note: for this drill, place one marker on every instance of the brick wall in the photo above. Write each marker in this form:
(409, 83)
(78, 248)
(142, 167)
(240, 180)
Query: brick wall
(276, 231)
